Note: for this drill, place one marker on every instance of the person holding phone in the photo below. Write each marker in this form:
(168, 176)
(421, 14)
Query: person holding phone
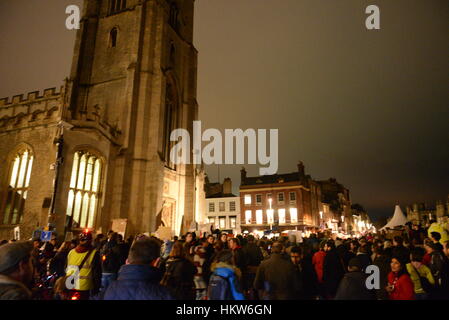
(400, 285)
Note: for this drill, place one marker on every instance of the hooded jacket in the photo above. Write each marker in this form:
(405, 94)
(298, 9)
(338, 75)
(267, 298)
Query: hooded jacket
(137, 282)
(229, 273)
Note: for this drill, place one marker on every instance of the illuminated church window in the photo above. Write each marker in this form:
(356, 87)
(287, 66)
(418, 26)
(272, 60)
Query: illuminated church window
(84, 191)
(19, 181)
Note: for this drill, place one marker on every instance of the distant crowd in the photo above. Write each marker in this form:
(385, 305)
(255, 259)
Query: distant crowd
(413, 265)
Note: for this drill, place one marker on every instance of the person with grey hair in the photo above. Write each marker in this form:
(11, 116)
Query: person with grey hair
(16, 271)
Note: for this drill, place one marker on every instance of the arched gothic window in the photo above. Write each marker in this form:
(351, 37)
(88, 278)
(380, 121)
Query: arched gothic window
(113, 38)
(18, 184)
(84, 194)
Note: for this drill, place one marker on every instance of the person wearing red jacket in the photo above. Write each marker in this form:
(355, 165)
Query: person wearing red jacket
(318, 262)
(400, 285)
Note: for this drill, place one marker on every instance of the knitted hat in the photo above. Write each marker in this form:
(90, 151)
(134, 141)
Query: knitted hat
(12, 253)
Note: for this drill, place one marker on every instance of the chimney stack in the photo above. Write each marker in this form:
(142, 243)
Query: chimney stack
(242, 175)
(301, 170)
(227, 186)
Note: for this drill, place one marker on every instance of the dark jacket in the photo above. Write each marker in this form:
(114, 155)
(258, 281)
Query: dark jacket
(179, 276)
(276, 276)
(309, 278)
(439, 266)
(11, 289)
(253, 253)
(333, 272)
(137, 282)
(383, 262)
(353, 287)
(111, 257)
(240, 260)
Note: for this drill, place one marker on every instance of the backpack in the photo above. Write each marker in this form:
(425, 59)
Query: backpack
(425, 283)
(219, 288)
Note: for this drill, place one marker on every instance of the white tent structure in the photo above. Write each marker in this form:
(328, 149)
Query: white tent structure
(399, 219)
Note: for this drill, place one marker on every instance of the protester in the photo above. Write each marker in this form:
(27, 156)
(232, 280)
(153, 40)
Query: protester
(85, 259)
(439, 266)
(382, 261)
(225, 281)
(353, 285)
(199, 260)
(296, 257)
(179, 274)
(421, 275)
(139, 278)
(110, 260)
(276, 276)
(333, 269)
(318, 264)
(399, 250)
(400, 285)
(16, 271)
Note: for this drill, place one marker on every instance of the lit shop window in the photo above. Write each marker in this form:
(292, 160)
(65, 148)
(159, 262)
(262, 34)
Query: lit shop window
(211, 220)
(248, 217)
(222, 221)
(211, 207)
(232, 206)
(270, 216)
(293, 215)
(18, 187)
(259, 216)
(281, 213)
(233, 222)
(247, 199)
(84, 190)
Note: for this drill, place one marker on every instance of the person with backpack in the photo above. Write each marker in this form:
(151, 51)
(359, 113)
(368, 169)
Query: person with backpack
(224, 283)
(420, 274)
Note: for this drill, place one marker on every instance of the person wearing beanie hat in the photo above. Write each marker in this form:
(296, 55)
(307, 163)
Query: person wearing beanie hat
(16, 271)
(353, 284)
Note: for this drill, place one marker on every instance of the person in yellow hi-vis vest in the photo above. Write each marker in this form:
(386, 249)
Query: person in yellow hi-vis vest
(83, 272)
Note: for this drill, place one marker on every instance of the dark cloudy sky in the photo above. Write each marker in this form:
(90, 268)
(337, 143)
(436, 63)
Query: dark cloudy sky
(370, 108)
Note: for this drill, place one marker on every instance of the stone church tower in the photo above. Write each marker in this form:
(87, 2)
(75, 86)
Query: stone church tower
(133, 81)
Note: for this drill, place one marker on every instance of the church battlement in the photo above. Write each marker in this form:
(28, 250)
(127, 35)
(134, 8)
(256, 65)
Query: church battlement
(31, 97)
(36, 109)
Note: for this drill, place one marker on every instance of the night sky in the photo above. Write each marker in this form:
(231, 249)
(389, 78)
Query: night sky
(370, 108)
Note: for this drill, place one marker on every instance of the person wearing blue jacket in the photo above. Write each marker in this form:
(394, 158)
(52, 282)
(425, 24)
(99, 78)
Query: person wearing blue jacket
(225, 281)
(139, 278)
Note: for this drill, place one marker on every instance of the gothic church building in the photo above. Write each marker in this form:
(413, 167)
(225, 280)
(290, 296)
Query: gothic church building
(98, 149)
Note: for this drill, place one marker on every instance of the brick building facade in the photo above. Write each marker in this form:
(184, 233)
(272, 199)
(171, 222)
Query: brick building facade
(279, 202)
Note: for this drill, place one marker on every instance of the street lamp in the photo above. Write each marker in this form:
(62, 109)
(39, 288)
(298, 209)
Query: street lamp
(271, 214)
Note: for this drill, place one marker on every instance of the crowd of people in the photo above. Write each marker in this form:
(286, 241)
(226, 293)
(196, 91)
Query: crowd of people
(218, 266)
